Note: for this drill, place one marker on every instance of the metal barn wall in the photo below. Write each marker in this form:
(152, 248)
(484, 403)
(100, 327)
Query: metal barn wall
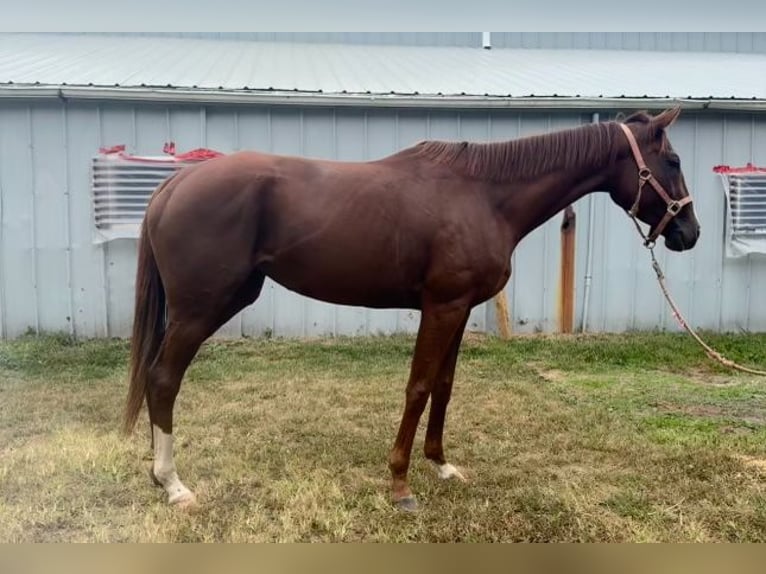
(55, 279)
(377, 38)
(743, 42)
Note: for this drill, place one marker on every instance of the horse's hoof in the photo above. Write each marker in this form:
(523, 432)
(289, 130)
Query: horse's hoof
(407, 504)
(186, 501)
(446, 471)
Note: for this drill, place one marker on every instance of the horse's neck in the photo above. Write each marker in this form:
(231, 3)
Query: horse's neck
(548, 172)
(525, 206)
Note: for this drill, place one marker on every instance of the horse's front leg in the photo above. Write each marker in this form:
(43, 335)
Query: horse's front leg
(439, 325)
(440, 396)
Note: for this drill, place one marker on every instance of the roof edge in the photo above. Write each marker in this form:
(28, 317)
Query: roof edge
(323, 99)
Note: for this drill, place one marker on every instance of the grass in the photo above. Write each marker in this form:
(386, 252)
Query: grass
(635, 437)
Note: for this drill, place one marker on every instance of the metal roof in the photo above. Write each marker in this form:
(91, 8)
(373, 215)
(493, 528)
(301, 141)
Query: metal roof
(169, 68)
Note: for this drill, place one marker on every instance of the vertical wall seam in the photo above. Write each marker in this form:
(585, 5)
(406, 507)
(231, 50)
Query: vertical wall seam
(634, 286)
(203, 125)
(3, 307)
(723, 250)
(103, 246)
(237, 142)
(604, 264)
(33, 224)
(749, 288)
(134, 128)
(693, 259)
(68, 226)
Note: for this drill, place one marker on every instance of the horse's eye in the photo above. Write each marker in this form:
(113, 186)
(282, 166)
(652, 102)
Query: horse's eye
(674, 161)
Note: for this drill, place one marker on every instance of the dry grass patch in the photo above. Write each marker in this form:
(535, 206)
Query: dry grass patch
(562, 439)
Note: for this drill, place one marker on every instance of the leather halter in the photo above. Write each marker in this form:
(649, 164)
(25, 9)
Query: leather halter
(644, 176)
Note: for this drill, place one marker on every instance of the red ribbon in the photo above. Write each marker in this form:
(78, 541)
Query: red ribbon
(198, 154)
(747, 168)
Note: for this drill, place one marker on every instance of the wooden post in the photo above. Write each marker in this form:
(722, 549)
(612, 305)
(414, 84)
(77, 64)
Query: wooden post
(502, 315)
(567, 278)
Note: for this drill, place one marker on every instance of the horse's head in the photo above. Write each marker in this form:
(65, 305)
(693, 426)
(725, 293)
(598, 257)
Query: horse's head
(650, 184)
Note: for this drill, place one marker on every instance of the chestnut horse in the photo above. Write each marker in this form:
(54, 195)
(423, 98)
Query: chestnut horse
(431, 228)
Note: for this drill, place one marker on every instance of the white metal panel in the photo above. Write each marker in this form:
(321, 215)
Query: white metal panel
(385, 38)
(52, 220)
(743, 42)
(737, 147)
(709, 205)
(683, 269)
(121, 262)
(757, 279)
(88, 293)
(118, 125)
(711, 41)
(19, 257)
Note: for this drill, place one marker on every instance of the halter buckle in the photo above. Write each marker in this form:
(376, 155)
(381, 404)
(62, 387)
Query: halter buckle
(644, 174)
(674, 207)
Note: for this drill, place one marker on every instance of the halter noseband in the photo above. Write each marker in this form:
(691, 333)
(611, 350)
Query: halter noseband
(645, 175)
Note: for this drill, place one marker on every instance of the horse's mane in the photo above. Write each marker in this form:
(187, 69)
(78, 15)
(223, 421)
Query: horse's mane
(591, 145)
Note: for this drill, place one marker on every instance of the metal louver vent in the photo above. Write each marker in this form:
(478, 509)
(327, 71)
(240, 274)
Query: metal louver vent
(745, 222)
(121, 189)
(747, 201)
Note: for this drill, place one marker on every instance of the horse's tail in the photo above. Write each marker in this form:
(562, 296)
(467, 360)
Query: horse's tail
(148, 328)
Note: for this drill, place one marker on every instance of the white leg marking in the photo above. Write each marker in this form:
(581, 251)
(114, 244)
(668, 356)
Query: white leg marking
(165, 470)
(446, 471)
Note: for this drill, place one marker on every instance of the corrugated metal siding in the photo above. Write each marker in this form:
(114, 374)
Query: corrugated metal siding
(375, 38)
(742, 42)
(54, 278)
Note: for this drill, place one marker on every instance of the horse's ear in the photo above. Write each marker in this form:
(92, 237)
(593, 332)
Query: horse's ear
(666, 118)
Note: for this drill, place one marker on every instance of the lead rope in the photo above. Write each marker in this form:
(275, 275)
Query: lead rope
(712, 353)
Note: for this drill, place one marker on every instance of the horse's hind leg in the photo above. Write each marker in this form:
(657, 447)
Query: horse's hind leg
(183, 338)
(182, 341)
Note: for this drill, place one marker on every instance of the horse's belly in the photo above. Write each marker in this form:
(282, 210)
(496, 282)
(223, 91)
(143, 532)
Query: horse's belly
(375, 286)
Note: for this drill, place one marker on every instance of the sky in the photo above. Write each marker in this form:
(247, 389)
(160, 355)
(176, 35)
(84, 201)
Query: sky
(381, 15)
